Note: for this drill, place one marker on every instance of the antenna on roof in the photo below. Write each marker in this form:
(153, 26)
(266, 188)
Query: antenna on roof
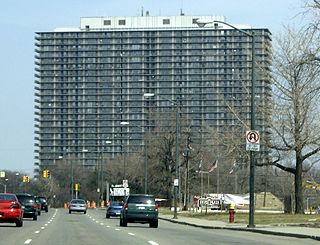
(141, 11)
(181, 12)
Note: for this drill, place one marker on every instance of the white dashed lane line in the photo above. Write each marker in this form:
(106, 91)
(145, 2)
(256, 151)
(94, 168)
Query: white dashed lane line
(131, 234)
(37, 232)
(153, 243)
(27, 241)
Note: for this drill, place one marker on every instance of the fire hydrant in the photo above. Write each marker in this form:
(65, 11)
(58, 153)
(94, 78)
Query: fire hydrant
(231, 213)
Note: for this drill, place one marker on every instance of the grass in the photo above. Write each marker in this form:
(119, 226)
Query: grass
(260, 218)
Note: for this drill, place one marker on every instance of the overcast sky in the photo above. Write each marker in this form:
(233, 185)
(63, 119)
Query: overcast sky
(20, 19)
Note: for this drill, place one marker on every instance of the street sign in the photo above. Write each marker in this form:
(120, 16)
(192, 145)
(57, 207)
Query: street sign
(119, 191)
(252, 140)
(176, 182)
(2, 174)
(125, 183)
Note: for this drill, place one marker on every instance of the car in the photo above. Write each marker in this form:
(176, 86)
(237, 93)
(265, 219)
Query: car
(29, 205)
(139, 208)
(44, 203)
(77, 205)
(11, 210)
(114, 209)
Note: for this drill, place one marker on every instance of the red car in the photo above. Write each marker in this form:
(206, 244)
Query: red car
(10, 209)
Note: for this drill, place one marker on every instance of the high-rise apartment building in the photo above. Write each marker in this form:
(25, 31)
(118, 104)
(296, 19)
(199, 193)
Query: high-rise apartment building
(90, 80)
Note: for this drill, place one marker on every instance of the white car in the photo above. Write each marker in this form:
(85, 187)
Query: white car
(77, 205)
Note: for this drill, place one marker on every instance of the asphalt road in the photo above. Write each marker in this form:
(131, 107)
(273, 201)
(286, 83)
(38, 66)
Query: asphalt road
(60, 227)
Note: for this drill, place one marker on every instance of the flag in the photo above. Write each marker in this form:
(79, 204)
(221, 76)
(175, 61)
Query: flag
(212, 166)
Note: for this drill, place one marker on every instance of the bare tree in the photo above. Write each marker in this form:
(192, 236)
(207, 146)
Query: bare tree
(295, 125)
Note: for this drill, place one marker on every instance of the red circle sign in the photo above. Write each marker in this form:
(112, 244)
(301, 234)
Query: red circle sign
(252, 137)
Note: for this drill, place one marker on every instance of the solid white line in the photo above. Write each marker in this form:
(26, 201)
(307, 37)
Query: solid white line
(37, 232)
(28, 241)
(131, 234)
(153, 243)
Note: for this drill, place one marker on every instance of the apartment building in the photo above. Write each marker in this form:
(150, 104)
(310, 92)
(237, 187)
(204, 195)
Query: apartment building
(90, 81)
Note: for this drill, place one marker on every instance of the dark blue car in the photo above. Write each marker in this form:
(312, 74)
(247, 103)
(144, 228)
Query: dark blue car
(114, 209)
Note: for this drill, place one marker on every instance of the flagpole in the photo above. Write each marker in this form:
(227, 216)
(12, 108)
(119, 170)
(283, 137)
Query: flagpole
(208, 181)
(218, 180)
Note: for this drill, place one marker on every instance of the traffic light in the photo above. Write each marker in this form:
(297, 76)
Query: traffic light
(46, 173)
(25, 178)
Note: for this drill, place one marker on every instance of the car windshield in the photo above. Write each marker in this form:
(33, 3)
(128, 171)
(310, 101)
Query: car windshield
(4, 197)
(78, 202)
(116, 204)
(26, 199)
(42, 199)
(141, 199)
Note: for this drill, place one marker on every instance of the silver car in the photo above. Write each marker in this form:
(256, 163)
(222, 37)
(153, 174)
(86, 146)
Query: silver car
(77, 205)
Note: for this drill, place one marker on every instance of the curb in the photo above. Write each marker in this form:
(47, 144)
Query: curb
(254, 230)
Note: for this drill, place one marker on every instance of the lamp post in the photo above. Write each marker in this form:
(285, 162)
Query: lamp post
(100, 172)
(176, 181)
(123, 123)
(253, 119)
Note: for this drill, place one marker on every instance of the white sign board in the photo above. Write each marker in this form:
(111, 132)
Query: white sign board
(252, 140)
(2, 174)
(125, 183)
(119, 192)
(176, 182)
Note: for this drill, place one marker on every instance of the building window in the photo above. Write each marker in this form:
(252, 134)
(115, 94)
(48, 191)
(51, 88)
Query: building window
(107, 22)
(166, 21)
(195, 21)
(122, 22)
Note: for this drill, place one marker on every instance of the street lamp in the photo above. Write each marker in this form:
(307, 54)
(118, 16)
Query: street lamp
(251, 34)
(124, 123)
(176, 181)
(61, 157)
(100, 172)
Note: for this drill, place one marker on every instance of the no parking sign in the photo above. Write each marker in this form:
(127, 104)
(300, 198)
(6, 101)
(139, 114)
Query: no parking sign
(252, 140)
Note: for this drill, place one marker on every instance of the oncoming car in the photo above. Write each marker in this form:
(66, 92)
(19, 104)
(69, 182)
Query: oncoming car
(10, 209)
(77, 205)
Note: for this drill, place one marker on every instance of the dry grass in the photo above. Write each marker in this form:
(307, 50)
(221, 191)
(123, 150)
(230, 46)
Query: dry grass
(260, 218)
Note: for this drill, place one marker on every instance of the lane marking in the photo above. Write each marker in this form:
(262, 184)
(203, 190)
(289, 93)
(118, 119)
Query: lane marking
(37, 232)
(117, 229)
(101, 224)
(131, 234)
(27, 241)
(108, 226)
(45, 224)
(42, 228)
(153, 243)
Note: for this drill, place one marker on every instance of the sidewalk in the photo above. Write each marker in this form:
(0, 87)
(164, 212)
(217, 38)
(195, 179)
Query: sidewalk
(284, 230)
